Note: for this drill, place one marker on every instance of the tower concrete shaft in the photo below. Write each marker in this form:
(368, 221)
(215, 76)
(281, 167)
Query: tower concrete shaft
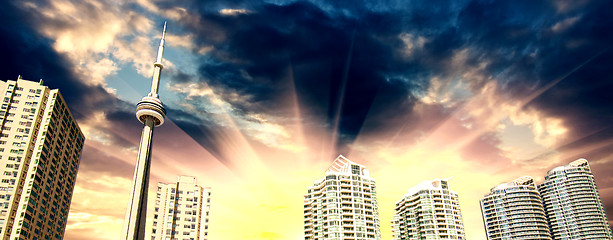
(151, 113)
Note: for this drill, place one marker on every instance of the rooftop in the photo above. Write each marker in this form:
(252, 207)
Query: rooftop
(581, 162)
(436, 184)
(343, 165)
(525, 180)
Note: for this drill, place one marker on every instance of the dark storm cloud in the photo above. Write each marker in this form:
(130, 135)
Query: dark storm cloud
(325, 45)
(531, 46)
(27, 53)
(528, 45)
(273, 49)
(584, 100)
(354, 48)
(532, 54)
(179, 76)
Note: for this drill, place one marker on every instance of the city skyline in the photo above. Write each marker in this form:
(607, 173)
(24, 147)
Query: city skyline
(261, 95)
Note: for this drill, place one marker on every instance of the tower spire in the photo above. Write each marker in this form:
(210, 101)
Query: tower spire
(151, 113)
(161, 47)
(157, 66)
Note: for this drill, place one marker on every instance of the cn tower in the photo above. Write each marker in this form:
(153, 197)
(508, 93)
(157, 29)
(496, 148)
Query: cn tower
(151, 113)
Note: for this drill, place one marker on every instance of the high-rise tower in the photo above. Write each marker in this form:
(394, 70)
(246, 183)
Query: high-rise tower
(428, 211)
(342, 205)
(515, 211)
(151, 113)
(181, 210)
(40, 151)
(573, 204)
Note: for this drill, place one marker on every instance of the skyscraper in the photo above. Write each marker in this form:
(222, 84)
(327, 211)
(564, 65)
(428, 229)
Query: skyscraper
(428, 211)
(514, 211)
(181, 210)
(40, 150)
(573, 204)
(342, 205)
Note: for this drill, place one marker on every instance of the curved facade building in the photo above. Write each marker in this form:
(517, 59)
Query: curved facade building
(515, 211)
(428, 211)
(572, 203)
(342, 205)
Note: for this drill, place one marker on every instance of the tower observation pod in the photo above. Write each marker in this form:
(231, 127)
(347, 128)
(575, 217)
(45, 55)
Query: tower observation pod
(151, 113)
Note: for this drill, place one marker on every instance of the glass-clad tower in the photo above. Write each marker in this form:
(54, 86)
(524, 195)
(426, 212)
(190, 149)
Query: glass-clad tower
(342, 205)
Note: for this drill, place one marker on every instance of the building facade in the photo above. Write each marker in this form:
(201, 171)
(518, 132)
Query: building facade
(342, 205)
(428, 211)
(40, 150)
(515, 211)
(181, 211)
(573, 204)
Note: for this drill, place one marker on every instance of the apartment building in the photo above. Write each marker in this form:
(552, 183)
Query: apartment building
(515, 210)
(181, 211)
(565, 206)
(573, 204)
(40, 150)
(342, 205)
(429, 210)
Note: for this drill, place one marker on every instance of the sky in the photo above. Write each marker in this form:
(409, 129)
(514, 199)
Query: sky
(261, 96)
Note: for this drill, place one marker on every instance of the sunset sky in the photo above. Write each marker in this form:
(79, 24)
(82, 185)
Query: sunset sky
(263, 95)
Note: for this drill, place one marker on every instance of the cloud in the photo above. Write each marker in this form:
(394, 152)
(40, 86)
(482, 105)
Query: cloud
(233, 12)
(412, 43)
(564, 24)
(172, 12)
(405, 86)
(97, 36)
(186, 41)
(31, 55)
(328, 75)
(96, 210)
(483, 57)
